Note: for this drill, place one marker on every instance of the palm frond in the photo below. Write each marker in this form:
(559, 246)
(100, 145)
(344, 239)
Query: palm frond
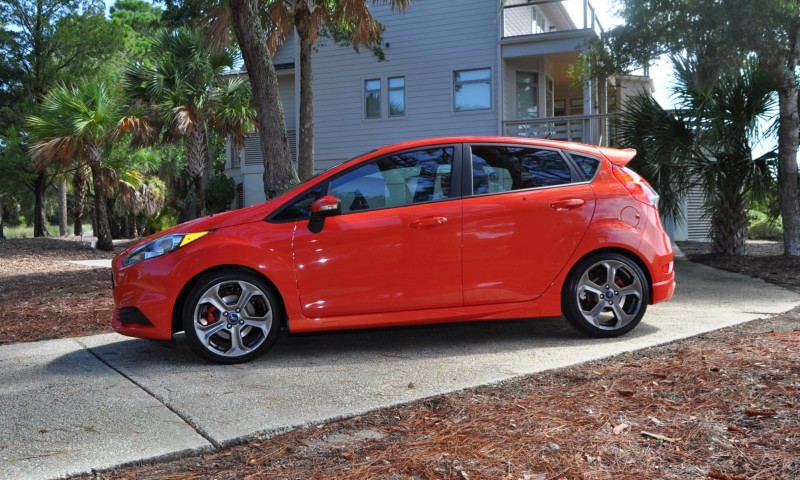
(281, 25)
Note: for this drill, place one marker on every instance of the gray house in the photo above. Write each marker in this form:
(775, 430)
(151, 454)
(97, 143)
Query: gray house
(453, 67)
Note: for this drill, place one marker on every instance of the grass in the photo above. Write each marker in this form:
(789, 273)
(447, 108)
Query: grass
(25, 231)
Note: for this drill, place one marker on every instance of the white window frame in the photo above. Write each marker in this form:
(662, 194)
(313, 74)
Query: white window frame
(391, 89)
(368, 91)
(490, 81)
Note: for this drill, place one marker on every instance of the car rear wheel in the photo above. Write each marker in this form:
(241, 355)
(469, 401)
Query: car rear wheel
(606, 295)
(231, 317)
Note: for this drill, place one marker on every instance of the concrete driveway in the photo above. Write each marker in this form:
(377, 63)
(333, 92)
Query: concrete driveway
(70, 406)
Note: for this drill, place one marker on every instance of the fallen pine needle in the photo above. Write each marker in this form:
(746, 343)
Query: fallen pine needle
(759, 413)
(724, 476)
(656, 436)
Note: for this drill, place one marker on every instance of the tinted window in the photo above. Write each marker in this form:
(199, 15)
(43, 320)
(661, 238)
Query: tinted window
(502, 168)
(588, 165)
(300, 208)
(396, 180)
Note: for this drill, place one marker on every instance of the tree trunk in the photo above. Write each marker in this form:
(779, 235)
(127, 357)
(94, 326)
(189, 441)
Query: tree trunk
(78, 198)
(102, 229)
(305, 154)
(198, 164)
(787, 157)
(729, 223)
(39, 217)
(62, 208)
(279, 173)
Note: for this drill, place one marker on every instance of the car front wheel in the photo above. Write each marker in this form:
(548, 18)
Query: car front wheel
(231, 317)
(606, 295)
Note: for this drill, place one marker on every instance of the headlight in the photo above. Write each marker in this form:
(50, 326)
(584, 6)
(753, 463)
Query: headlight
(161, 246)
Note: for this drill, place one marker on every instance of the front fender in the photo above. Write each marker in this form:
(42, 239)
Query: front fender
(261, 250)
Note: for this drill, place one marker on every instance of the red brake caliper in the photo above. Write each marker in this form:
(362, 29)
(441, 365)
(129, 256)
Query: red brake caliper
(212, 314)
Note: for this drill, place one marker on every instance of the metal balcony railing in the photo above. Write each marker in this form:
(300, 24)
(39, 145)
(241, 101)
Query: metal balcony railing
(525, 17)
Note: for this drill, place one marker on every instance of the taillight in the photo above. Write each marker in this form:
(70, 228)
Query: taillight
(636, 185)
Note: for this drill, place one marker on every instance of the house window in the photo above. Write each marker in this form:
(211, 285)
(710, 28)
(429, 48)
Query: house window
(236, 157)
(472, 89)
(372, 98)
(576, 106)
(527, 95)
(397, 96)
(560, 108)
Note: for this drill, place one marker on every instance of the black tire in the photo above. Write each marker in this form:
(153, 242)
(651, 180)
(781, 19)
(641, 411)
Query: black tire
(230, 305)
(605, 295)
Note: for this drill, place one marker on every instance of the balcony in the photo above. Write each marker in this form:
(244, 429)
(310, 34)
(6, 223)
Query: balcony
(591, 129)
(536, 17)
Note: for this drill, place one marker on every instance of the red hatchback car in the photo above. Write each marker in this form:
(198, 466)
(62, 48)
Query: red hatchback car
(430, 231)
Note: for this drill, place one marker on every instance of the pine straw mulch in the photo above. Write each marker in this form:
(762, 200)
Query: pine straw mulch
(724, 405)
(42, 296)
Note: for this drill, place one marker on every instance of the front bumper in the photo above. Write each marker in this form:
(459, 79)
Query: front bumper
(145, 295)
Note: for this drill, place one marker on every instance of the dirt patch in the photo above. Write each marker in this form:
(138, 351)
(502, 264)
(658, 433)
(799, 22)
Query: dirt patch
(764, 260)
(43, 296)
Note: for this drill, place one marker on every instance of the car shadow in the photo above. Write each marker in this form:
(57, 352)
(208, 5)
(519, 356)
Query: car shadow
(429, 343)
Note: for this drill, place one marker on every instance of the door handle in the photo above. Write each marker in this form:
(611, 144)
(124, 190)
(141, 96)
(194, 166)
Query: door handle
(428, 222)
(567, 204)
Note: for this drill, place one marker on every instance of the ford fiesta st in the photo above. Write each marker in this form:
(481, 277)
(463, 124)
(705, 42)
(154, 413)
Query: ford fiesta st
(430, 231)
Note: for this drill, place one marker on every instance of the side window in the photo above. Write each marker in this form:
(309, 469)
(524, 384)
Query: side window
(372, 98)
(300, 208)
(588, 165)
(498, 168)
(396, 180)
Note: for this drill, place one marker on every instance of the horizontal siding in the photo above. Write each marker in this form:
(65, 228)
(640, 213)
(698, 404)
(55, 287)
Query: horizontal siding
(286, 89)
(698, 224)
(425, 45)
(285, 52)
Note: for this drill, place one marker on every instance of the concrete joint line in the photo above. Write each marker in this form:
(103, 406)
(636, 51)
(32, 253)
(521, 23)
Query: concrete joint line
(169, 407)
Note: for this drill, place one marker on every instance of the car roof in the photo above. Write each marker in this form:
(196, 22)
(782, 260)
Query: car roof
(616, 156)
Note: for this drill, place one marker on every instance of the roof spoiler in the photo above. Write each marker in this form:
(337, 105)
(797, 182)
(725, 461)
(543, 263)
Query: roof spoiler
(618, 157)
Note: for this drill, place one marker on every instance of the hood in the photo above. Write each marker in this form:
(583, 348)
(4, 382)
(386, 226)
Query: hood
(255, 213)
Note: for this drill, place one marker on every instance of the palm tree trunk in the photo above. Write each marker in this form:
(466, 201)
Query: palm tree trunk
(78, 198)
(279, 173)
(305, 154)
(62, 207)
(787, 156)
(729, 224)
(102, 229)
(39, 217)
(198, 164)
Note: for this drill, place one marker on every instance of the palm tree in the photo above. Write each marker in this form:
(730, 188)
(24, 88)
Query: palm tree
(185, 88)
(350, 17)
(80, 122)
(707, 142)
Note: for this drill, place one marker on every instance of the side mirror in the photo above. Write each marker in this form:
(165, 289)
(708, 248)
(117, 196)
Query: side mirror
(322, 208)
(326, 206)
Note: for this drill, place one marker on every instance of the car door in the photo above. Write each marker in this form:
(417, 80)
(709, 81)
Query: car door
(528, 212)
(396, 244)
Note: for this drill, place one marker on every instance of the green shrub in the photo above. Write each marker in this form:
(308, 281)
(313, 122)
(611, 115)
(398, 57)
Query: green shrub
(763, 228)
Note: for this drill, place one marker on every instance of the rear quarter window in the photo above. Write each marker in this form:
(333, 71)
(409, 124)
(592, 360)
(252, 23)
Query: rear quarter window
(586, 164)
